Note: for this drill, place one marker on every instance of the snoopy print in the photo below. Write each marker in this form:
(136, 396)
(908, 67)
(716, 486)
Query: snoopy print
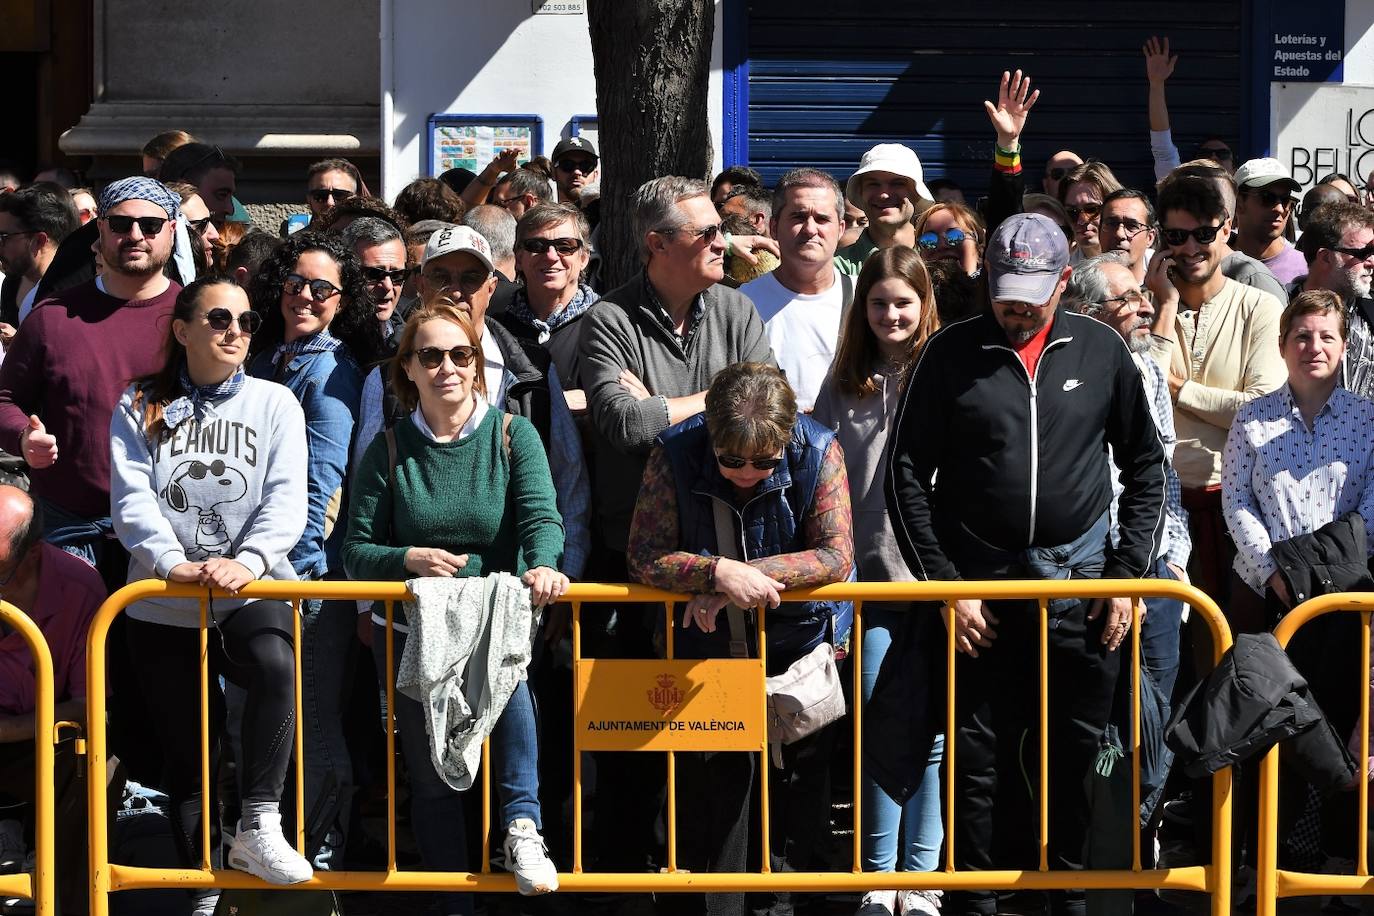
(203, 488)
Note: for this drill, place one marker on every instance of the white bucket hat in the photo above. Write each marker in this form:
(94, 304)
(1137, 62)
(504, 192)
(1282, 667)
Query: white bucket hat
(889, 157)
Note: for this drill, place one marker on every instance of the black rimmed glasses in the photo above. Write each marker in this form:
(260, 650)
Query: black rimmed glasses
(1124, 224)
(320, 288)
(433, 357)
(222, 319)
(1205, 235)
(735, 462)
(123, 225)
(705, 233)
(378, 274)
(1131, 298)
(564, 246)
(1359, 254)
(321, 195)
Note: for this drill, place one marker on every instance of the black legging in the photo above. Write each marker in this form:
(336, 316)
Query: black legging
(251, 646)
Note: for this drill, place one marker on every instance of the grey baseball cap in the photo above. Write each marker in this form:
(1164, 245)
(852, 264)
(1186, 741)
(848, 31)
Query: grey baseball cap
(1026, 257)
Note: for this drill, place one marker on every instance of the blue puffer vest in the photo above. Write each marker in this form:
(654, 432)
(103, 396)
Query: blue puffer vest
(772, 523)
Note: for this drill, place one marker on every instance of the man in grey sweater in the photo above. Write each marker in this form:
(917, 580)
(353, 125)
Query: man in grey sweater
(651, 347)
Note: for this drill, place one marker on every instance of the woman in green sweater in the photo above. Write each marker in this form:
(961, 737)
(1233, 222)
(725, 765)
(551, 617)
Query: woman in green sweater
(460, 500)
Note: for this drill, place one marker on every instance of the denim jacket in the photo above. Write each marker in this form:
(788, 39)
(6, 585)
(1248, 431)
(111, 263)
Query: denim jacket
(329, 387)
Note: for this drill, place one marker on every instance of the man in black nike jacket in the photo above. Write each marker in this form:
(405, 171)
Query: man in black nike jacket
(998, 469)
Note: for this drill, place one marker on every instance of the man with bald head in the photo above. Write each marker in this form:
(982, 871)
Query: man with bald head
(1059, 165)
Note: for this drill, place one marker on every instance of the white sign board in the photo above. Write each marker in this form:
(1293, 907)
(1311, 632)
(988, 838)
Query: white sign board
(1322, 128)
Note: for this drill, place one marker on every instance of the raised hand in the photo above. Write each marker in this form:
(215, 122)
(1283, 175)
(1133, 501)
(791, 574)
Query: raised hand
(1014, 101)
(1159, 65)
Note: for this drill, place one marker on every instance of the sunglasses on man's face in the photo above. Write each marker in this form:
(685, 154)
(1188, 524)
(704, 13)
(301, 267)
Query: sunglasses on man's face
(1057, 173)
(148, 225)
(378, 274)
(1359, 254)
(320, 195)
(433, 357)
(1205, 235)
(320, 288)
(585, 166)
(1215, 153)
(1131, 227)
(565, 246)
(1268, 198)
(952, 238)
(706, 233)
(735, 462)
(221, 319)
(1091, 211)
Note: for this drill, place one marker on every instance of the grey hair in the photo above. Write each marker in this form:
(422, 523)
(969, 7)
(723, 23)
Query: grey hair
(542, 216)
(807, 178)
(1087, 286)
(369, 230)
(656, 206)
(497, 226)
(522, 181)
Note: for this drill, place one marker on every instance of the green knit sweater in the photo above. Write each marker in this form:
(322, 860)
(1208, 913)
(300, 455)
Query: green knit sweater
(466, 496)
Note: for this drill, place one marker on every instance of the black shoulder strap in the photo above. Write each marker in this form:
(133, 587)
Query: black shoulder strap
(391, 456)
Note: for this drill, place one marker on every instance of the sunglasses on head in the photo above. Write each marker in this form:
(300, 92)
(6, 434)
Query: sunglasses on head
(1267, 198)
(378, 274)
(148, 225)
(320, 195)
(735, 462)
(1216, 154)
(1205, 235)
(221, 319)
(1091, 211)
(562, 246)
(585, 166)
(320, 288)
(952, 238)
(433, 357)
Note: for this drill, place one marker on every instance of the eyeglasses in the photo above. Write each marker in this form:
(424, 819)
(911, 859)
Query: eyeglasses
(1091, 211)
(320, 195)
(221, 319)
(1132, 227)
(320, 288)
(1216, 154)
(6, 236)
(1132, 297)
(468, 282)
(1359, 254)
(1205, 235)
(1268, 198)
(585, 166)
(1057, 173)
(734, 462)
(148, 225)
(562, 246)
(705, 233)
(200, 224)
(378, 274)
(433, 357)
(952, 238)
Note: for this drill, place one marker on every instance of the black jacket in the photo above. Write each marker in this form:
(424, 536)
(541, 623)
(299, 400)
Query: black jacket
(1333, 558)
(1253, 699)
(1022, 464)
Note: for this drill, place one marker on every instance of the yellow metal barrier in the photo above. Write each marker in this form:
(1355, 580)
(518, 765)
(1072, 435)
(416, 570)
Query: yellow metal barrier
(1272, 882)
(1213, 878)
(38, 886)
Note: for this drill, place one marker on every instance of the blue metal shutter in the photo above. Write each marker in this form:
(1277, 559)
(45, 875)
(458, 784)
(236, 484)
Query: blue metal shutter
(826, 81)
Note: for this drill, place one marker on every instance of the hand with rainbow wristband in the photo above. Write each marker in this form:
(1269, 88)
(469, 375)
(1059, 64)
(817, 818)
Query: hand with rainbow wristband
(1015, 99)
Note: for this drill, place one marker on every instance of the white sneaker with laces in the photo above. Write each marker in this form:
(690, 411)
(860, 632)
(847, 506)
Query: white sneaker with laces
(264, 852)
(920, 903)
(11, 847)
(528, 859)
(878, 903)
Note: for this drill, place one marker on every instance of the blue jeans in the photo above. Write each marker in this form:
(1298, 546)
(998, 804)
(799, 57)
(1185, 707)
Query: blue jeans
(436, 810)
(915, 830)
(1159, 634)
(78, 536)
(327, 656)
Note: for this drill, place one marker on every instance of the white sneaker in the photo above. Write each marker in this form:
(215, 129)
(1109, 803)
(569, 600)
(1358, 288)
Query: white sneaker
(528, 858)
(920, 903)
(878, 903)
(264, 852)
(11, 847)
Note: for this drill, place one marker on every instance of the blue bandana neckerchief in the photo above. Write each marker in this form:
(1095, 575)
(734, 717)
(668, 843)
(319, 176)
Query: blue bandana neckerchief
(583, 299)
(319, 342)
(192, 403)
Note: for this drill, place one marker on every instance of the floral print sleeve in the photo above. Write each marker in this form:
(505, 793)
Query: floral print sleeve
(653, 555)
(828, 528)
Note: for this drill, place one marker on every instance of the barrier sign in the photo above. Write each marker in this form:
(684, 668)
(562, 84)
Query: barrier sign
(679, 705)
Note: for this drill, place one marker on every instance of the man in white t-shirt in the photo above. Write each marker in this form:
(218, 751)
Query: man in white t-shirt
(803, 301)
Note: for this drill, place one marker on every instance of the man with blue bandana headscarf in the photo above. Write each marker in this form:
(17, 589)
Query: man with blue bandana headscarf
(64, 374)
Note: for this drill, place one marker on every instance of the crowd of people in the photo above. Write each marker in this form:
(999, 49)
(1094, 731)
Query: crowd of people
(1072, 379)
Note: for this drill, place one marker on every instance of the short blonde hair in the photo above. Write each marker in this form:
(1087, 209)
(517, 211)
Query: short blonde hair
(750, 410)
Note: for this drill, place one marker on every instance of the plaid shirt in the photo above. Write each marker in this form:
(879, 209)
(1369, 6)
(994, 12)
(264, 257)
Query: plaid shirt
(693, 315)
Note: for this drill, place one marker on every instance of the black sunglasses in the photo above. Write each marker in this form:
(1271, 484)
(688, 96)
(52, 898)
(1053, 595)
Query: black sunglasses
(1359, 254)
(1133, 227)
(148, 225)
(1089, 210)
(1057, 173)
(1268, 198)
(200, 224)
(734, 462)
(931, 240)
(1216, 155)
(433, 357)
(320, 288)
(320, 195)
(1205, 235)
(585, 166)
(378, 274)
(562, 246)
(221, 319)
(706, 233)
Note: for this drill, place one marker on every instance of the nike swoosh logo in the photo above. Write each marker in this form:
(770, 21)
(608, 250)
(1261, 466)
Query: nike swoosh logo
(1071, 384)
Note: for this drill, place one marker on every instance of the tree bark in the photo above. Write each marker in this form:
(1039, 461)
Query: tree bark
(653, 63)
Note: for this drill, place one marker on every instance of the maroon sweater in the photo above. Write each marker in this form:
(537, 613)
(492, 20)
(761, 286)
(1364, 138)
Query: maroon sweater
(71, 360)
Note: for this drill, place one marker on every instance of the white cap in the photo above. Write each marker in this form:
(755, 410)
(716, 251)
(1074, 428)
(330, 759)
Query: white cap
(451, 239)
(1261, 173)
(894, 158)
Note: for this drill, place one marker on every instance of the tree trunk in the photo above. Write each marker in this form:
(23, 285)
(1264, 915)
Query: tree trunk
(653, 63)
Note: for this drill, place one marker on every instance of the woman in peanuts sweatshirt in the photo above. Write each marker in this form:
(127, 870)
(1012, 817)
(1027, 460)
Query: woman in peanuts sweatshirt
(208, 487)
